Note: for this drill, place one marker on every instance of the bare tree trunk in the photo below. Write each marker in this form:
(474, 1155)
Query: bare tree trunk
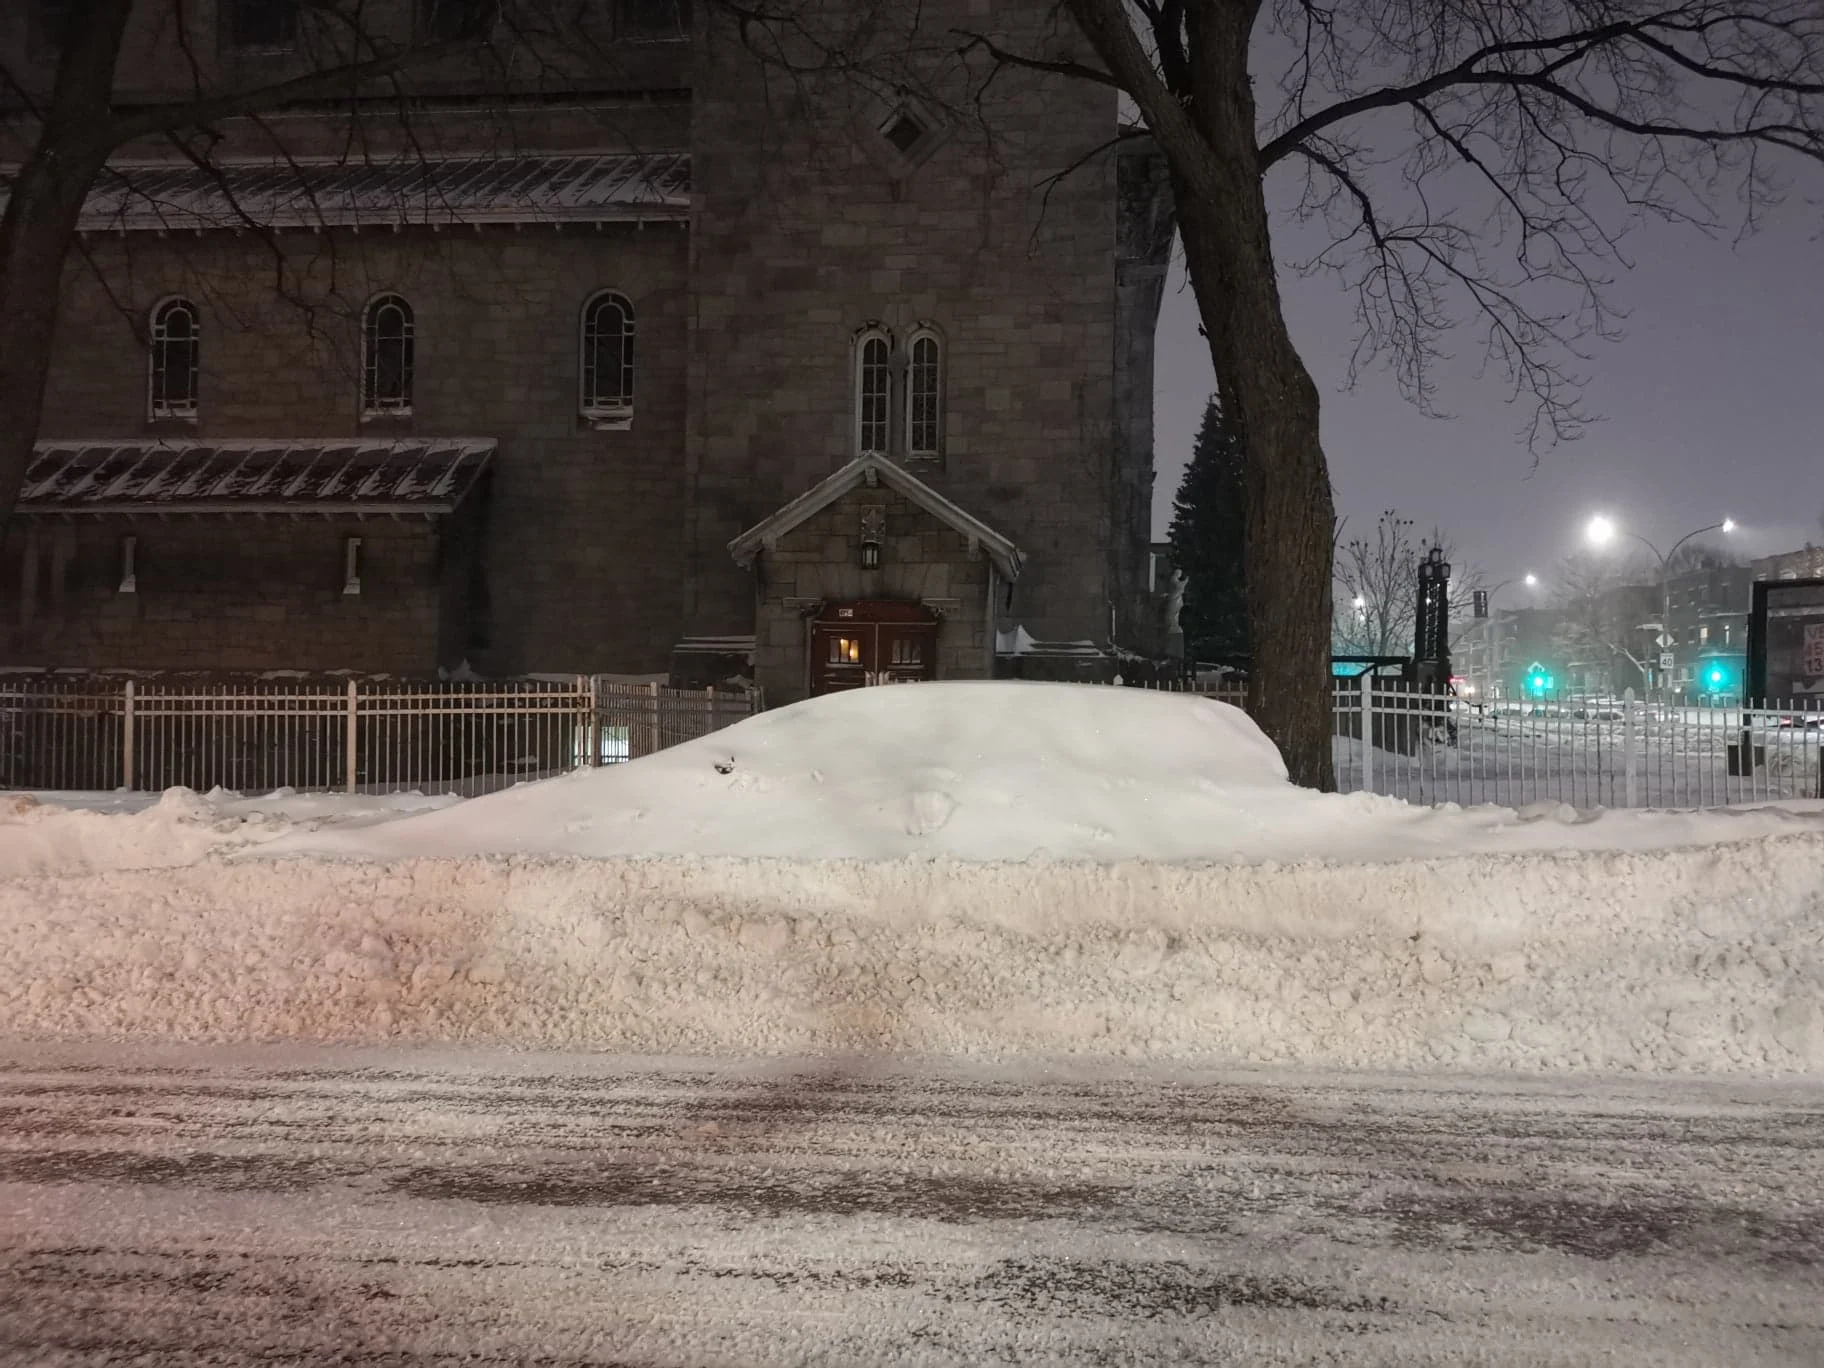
(1207, 132)
(1264, 385)
(40, 223)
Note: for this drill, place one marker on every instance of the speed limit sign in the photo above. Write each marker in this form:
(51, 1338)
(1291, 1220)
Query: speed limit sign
(1812, 654)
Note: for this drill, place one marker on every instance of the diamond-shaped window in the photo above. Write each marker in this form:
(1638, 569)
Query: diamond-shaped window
(904, 131)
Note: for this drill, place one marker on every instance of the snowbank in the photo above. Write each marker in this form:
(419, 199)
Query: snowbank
(959, 869)
(88, 833)
(1700, 959)
(995, 771)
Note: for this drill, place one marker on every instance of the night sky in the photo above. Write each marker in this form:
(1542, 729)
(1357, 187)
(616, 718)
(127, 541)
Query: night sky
(1712, 404)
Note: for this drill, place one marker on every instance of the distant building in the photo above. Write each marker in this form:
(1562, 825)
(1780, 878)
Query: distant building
(1805, 563)
(1707, 622)
(1495, 656)
(1688, 637)
(1607, 643)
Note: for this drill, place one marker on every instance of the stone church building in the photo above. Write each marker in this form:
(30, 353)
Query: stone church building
(628, 353)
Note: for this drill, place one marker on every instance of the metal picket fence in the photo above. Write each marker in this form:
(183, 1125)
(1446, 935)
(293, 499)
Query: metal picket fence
(106, 733)
(1586, 752)
(1428, 747)
(102, 733)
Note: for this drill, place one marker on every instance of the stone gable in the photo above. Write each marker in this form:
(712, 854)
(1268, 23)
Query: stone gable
(819, 562)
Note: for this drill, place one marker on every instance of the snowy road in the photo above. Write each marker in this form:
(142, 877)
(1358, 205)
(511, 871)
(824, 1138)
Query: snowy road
(229, 1207)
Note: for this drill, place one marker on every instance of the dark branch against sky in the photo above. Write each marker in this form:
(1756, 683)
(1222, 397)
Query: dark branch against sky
(1711, 403)
(1695, 357)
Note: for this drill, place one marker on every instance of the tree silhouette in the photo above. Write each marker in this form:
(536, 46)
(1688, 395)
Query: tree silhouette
(1208, 540)
(1462, 161)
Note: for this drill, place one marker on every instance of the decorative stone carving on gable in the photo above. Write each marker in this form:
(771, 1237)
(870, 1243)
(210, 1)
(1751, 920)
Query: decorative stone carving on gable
(873, 533)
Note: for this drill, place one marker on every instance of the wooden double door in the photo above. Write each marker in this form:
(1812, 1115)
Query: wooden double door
(868, 642)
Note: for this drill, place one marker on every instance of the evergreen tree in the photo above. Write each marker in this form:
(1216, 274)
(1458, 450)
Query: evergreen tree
(1208, 543)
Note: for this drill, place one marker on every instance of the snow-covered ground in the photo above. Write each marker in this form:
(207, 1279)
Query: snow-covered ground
(188, 1207)
(86, 833)
(960, 869)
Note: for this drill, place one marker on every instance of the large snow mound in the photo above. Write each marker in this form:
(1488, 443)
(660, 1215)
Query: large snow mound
(993, 771)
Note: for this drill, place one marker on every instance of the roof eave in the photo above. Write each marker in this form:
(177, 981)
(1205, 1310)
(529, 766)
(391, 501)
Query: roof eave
(181, 223)
(262, 508)
(1006, 557)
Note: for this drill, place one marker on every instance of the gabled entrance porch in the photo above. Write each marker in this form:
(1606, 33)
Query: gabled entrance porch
(873, 577)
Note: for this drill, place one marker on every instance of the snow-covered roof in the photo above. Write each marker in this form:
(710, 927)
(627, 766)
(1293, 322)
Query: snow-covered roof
(325, 476)
(405, 191)
(1019, 642)
(870, 468)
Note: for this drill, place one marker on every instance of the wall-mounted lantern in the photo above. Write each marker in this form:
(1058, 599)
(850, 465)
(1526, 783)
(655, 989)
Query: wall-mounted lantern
(129, 565)
(873, 533)
(351, 565)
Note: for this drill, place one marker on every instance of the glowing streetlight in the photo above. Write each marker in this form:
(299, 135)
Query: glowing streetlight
(1601, 530)
(1531, 581)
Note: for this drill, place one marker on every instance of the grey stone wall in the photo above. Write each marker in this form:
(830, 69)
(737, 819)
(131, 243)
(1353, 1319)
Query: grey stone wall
(1146, 224)
(581, 551)
(245, 594)
(808, 229)
(921, 561)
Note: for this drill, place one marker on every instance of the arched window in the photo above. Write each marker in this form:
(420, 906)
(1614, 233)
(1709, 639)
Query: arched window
(873, 391)
(606, 375)
(173, 361)
(387, 344)
(925, 395)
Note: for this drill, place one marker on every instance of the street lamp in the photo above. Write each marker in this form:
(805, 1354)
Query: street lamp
(1602, 530)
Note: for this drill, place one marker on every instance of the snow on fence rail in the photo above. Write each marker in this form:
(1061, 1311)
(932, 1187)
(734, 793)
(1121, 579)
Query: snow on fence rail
(359, 735)
(1428, 747)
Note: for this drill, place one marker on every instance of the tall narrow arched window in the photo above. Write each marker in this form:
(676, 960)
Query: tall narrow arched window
(925, 395)
(873, 391)
(172, 379)
(606, 373)
(387, 361)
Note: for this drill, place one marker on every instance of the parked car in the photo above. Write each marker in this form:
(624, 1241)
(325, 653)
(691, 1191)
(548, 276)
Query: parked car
(1808, 721)
(1598, 712)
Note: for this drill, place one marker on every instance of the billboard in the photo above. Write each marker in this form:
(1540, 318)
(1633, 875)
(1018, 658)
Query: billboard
(1786, 643)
